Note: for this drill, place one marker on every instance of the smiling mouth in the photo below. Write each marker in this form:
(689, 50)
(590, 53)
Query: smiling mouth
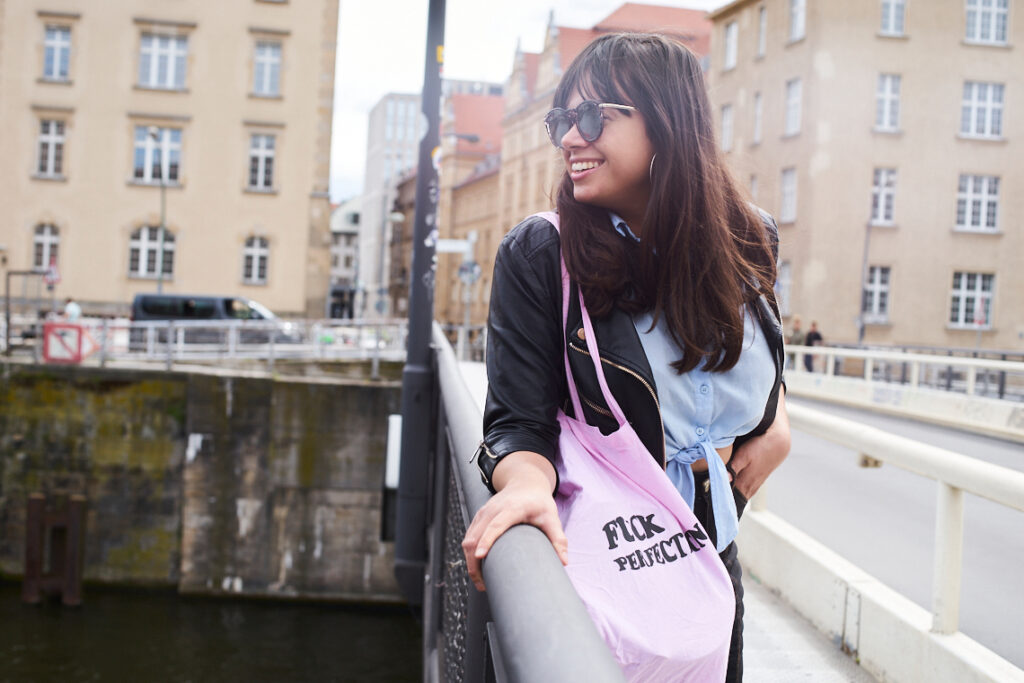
(579, 166)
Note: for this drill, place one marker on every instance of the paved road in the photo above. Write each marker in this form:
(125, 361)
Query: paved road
(883, 520)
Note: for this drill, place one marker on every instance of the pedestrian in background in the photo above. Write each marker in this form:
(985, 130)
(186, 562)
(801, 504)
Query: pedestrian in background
(796, 338)
(814, 338)
(676, 272)
(72, 311)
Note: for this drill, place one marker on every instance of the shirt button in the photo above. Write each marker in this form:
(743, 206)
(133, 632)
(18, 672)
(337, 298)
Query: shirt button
(704, 388)
(700, 431)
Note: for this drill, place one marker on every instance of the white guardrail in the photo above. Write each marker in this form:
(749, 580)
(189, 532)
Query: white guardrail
(911, 649)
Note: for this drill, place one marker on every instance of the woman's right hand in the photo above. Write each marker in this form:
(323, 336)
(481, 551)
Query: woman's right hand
(524, 482)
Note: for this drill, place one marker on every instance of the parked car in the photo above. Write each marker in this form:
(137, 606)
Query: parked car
(215, 310)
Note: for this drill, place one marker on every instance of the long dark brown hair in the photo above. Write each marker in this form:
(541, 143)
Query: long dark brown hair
(704, 251)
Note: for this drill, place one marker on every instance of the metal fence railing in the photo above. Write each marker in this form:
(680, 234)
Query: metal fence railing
(981, 376)
(954, 474)
(530, 610)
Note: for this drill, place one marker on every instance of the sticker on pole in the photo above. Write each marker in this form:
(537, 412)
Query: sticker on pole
(68, 344)
(52, 276)
(469, 272)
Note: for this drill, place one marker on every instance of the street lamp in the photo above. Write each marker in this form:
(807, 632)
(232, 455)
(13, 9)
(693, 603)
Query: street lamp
(154, 134)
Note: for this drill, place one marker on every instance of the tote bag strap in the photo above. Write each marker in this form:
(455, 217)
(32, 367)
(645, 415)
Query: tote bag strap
(591, 340)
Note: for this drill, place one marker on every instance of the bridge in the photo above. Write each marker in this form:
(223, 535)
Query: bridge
(839, 549)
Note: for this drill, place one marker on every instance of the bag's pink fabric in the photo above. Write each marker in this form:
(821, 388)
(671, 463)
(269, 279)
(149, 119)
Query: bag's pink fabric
(639, 559)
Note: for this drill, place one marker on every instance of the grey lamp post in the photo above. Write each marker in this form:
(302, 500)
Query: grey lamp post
(154, 134)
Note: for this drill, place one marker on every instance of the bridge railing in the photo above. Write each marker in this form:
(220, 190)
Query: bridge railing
(953, 473)
(983, 376)
(530, 611)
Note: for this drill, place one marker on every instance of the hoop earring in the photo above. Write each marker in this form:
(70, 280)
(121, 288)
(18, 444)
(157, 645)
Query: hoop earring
(650, 172)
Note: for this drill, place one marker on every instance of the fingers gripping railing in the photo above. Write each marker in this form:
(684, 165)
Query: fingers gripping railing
(541, 626)
(954, 474)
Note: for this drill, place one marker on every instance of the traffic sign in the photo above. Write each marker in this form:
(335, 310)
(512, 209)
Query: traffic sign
(469, 272)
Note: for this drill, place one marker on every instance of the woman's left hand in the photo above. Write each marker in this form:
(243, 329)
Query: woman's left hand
(757, 458)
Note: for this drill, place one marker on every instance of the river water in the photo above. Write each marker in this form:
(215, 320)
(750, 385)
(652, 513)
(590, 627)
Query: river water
(160, 636)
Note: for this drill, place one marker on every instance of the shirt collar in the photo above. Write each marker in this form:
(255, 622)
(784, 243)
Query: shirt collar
(621, 227)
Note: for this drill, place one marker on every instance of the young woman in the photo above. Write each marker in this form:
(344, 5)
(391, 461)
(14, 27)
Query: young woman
(676, 270)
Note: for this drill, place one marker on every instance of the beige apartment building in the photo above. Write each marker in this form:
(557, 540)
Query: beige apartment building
(881, 135)
(224, 108)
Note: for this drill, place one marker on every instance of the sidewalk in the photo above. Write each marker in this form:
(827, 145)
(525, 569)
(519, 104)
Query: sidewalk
(780, 646)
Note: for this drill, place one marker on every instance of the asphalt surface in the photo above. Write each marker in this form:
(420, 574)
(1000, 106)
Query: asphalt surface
(883, 520)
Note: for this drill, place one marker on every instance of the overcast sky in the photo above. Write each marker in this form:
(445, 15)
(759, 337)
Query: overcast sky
(381, 44)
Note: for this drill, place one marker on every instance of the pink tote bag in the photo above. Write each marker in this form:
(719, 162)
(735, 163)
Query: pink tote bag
(639, 559)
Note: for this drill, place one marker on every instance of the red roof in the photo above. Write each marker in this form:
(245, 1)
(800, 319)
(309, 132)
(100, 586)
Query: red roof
(571, 42)
(478, 115)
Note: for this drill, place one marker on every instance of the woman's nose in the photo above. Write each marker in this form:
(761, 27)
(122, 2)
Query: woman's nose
(573, 139)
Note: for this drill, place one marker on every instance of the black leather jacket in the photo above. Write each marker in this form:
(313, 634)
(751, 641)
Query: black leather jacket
(525, 367)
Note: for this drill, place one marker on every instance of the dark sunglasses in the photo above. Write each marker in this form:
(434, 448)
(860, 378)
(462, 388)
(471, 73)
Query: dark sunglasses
(586, 117)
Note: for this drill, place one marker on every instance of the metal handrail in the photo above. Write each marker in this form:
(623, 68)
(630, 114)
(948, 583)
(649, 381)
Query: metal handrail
(535, 609)
(954, 473)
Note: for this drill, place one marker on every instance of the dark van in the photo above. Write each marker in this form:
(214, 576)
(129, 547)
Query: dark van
(199, 308)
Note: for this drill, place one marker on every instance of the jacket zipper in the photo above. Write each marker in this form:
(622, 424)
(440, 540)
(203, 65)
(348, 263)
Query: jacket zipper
(650, 390)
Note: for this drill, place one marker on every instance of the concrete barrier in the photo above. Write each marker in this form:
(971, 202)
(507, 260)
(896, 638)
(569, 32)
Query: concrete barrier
(993, 417)
(886, 633)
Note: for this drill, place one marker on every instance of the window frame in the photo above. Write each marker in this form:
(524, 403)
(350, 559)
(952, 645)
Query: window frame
(888, 91)
(894, 18)
(762, 31)
(788, 195)
(264, 158)
(143, 240)
(992, 26)
(256, 258)
(62, 53)
(46, 244)
(263, 65)
(176, 62)
(170, 155)
(54, 143)
(990, 108)
(793, 115)
(797, 20)
(987, 203)
(728, 125)
(883, 196)
(876, 297)
(961, 293)
(732, 33)
(758, 132)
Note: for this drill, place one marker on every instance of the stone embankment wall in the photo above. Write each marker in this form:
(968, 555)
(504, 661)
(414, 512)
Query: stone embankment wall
(213, 483)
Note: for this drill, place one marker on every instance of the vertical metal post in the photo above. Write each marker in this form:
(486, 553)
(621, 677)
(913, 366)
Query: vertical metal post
(949, 550)
(31, 590)
(418, 376)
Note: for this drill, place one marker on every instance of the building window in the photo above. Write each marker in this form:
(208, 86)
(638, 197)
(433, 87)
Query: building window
(875, 300)
(254, 261)
(971, 300)
(793, 97)
(887, 103)
(267, 69)
(726, 127)
(51, 148)
(977, 203)
(758, 117)
(162, 61)
(57, 53)
(787, 212)
(731, 37)
(261, 162)
(157, 154)
(797, 19)
(45, 246)
(762, 30)
(883, 194)
(783, 287)
(893, 12)
(981, 113)
(753, 187)
(145, 250)
(986, 21)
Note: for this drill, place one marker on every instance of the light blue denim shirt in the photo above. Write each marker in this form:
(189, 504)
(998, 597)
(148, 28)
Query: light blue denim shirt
(704, 410)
